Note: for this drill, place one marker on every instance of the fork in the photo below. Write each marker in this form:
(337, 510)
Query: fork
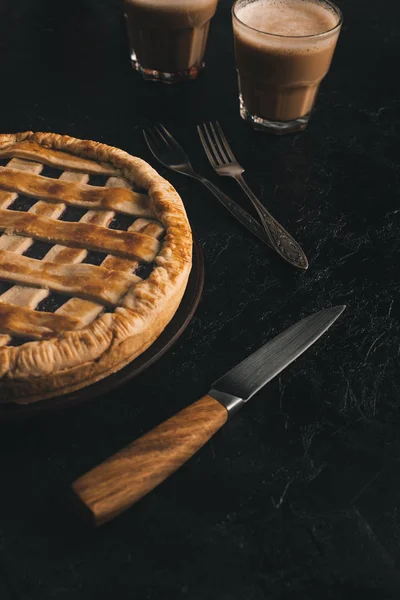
(225, 163)
(169, 153)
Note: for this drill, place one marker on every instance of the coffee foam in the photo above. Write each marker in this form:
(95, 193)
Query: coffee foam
(292, 18)
(288, 17)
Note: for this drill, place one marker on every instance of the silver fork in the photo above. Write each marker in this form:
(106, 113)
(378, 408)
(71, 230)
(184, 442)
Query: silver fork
(225, 163)
(169, 153)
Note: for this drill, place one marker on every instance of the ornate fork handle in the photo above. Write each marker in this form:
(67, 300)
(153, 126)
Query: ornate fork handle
(279, 238)
(237, 211)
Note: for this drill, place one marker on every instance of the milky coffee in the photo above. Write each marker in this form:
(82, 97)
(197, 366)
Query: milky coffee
(283, 50)
(169, 36)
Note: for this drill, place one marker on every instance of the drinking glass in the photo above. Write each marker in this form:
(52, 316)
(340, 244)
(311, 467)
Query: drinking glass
(279, 74)
(168, 38)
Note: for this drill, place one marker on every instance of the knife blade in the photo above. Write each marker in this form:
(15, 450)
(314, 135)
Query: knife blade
(249, 376)
(123, 479)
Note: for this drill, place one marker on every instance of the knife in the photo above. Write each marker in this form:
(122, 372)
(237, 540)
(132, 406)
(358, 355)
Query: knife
(120, 481)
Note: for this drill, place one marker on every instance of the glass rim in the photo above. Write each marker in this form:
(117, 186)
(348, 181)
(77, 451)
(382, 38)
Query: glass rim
(296, 37)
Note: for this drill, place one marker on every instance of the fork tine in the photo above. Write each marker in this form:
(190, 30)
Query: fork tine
(156, 144)
(154, 136)
(210, 157)
(224, 141)
(159, 142)
(225, 159)
(169, 139)
(151, 142)
(148, 136)
(212, 147)
(163, 138)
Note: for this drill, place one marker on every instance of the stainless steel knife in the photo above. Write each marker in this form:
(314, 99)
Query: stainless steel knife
(123, 479)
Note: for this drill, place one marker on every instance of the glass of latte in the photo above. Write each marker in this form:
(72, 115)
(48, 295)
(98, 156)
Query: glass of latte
(168, 38)
(283, 50)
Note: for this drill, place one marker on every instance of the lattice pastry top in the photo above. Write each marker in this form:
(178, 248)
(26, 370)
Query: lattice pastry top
(95, 253)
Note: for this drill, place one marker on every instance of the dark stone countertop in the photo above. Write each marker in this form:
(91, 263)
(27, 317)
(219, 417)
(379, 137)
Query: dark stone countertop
(297, 497)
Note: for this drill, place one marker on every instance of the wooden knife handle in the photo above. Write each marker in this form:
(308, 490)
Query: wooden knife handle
(123, 479)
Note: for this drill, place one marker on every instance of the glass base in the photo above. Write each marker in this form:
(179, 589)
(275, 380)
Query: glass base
(153, 75)
(274, 127)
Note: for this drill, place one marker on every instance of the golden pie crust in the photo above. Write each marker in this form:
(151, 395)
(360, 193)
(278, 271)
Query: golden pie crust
(111, 314)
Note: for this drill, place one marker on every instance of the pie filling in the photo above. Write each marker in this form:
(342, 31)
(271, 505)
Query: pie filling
(74, 239)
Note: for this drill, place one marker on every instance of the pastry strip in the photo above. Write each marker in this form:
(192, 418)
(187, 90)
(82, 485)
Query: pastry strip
(82, 280)
(87, 311)
(21, 244)
(126, 244)
(31, 297)
(55, 158)
(33, 324)
(122, 200)
(7, 198)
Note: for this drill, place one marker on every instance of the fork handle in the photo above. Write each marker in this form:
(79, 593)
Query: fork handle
(279, 238)
(237, 211)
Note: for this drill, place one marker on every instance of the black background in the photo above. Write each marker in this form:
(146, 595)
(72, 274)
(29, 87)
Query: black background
(297, 497)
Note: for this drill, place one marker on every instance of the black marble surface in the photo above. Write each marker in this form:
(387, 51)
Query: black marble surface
(298, 497)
